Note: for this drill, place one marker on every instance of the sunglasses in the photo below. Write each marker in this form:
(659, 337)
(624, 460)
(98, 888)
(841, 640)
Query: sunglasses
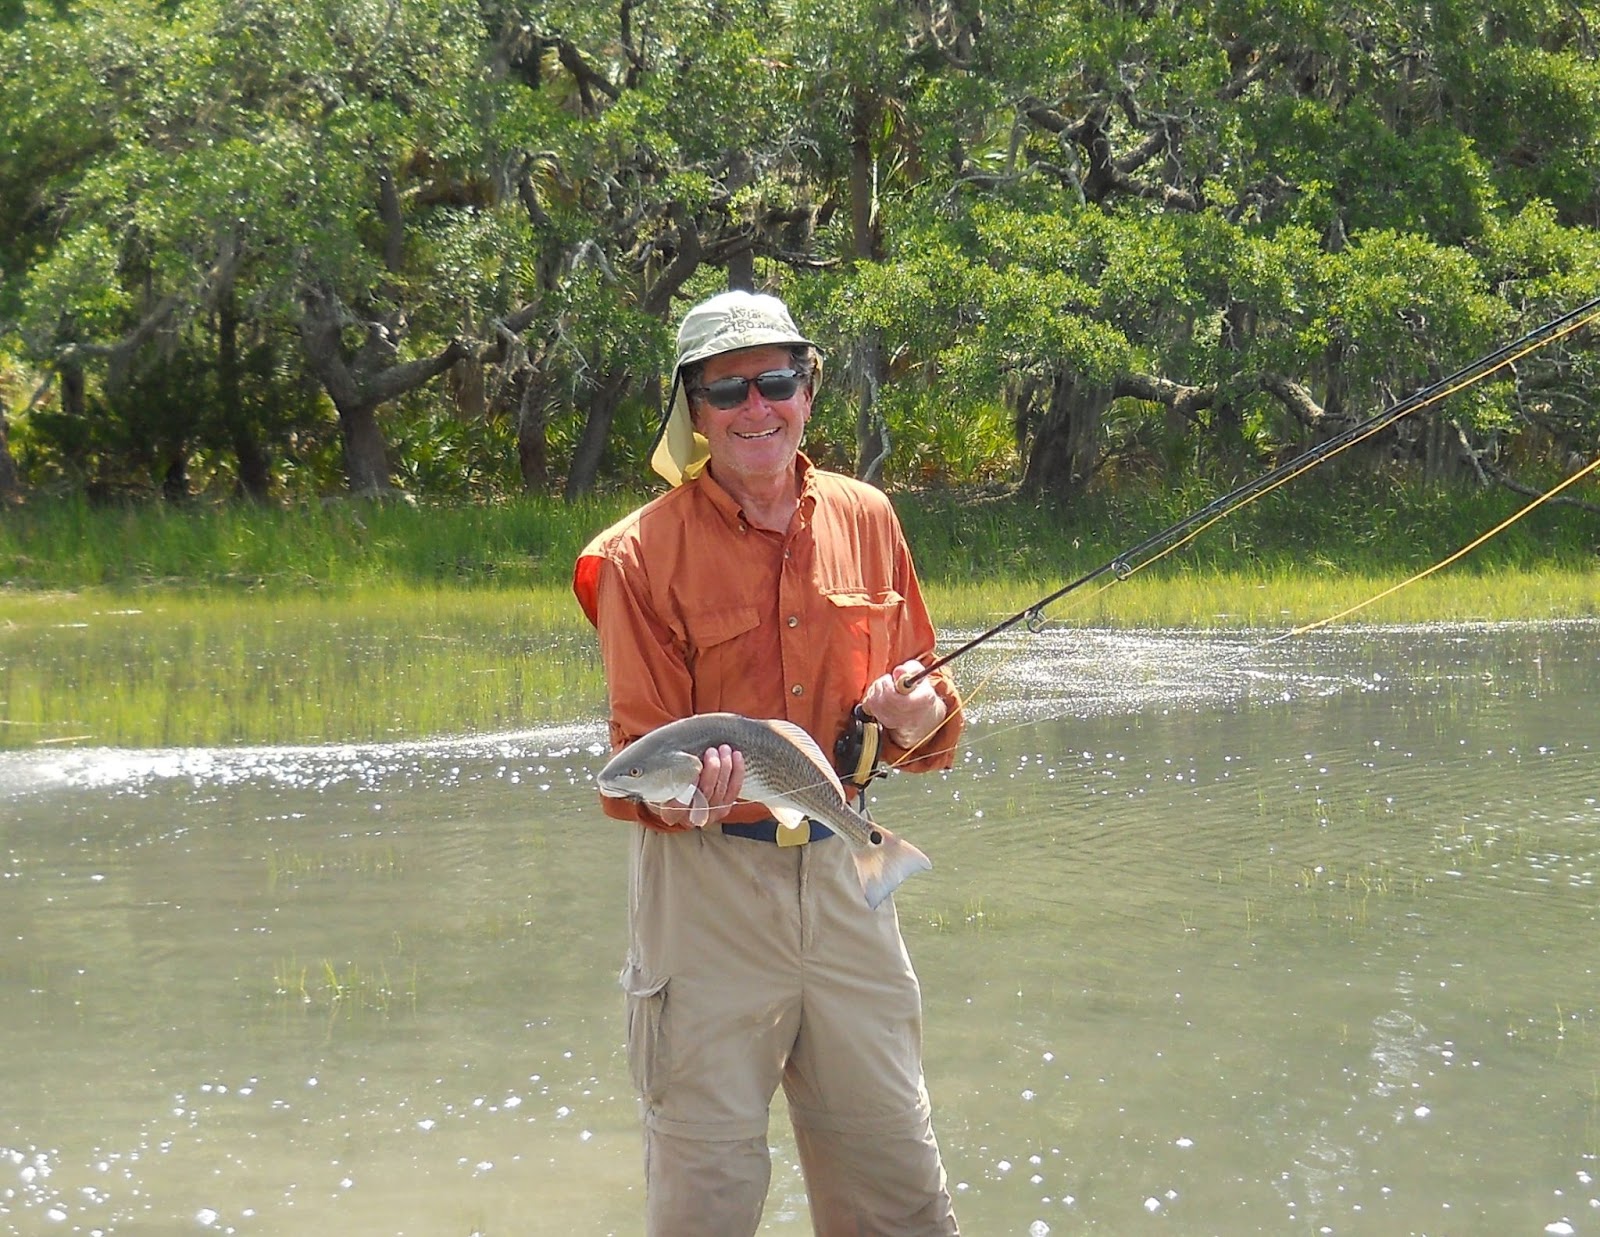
(775, 385)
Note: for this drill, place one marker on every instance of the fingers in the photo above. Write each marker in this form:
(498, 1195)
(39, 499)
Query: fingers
(895, 694)
(908, 711)
(721, 777)
(716, 790)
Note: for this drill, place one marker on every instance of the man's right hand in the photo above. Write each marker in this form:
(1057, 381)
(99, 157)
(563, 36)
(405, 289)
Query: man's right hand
(721, 778)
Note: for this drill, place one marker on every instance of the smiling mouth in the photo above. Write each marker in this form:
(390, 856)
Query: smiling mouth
(755, 437)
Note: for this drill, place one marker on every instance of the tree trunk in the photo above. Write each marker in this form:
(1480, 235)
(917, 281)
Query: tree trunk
(596, 429)
(10, 478)
(73, 401)
(1066, 444)
(1443, 458)
(359, 387)
(469, 390)
(742, 270)
(175, 481)
(366, 453)
(1227, 422)
(533, 452)
(254, 477)
(255, 470)
(867, 368)
(1441, 446)
(872, 434)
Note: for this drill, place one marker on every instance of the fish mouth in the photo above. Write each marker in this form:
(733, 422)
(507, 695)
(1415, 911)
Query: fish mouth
(612, 793)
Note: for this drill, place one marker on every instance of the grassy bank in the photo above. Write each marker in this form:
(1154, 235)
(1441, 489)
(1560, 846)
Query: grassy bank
(364, 663)
(1354, 524)
(69, 546)
(153, 627)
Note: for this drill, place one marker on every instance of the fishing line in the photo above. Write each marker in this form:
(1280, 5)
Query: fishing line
(1592, 467)
(1185, 530)
(982, 685)
(1446, 561)
(1182, 531)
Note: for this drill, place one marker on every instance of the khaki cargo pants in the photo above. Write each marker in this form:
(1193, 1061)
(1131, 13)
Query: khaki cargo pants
(753, 965)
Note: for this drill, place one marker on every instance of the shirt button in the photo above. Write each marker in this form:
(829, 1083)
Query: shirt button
(794, 620)
(797, 690)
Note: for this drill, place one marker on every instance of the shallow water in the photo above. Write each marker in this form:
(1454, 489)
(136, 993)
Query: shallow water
(1222, 936)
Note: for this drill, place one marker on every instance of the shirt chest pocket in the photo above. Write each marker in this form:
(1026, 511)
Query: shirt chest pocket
(717, 656)
(863, 624)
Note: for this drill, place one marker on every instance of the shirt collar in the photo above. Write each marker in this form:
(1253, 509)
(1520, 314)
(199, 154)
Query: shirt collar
(730, 510)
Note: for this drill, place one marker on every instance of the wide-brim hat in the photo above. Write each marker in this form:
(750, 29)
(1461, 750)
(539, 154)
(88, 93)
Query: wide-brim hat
(727, 322)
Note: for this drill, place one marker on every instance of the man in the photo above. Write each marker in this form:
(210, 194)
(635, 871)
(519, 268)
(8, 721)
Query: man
(765, 586)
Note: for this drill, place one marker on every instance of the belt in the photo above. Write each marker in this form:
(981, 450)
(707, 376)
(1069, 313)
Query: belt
(768, 830)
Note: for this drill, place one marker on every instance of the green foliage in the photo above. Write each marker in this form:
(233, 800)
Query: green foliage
(453, 458)
(1351, 199)
(1408, 304)
(65, 544)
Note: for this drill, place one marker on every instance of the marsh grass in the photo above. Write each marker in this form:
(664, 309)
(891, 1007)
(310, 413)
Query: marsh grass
(1321, 869)
(1555, 1030)
(1288, 895)
(1342, 523)
(70, 545)
(343, 989)
(155, 627)
(368, 664)
(1277, 601)
(971, 917)
(288, 867)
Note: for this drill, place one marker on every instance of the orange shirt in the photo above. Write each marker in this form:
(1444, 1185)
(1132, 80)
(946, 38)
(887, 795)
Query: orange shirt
(699, 611)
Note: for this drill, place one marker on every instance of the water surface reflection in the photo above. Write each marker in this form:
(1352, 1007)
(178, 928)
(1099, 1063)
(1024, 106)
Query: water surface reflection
(1230, 936)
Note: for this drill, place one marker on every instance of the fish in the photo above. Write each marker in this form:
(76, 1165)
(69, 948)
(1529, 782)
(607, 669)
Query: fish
(784, 769)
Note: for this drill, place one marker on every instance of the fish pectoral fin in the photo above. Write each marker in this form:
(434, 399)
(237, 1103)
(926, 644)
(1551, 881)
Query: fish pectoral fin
(692, 798)
(787, 817)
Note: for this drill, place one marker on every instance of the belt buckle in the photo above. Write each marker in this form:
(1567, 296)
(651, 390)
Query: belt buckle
(794, 837)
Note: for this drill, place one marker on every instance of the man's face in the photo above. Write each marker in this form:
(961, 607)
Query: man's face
(758, 438)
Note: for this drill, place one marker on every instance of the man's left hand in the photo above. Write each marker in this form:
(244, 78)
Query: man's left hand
(909, 715)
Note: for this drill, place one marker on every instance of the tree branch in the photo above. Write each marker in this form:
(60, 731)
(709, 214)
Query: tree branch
(395, 380)
(394, 224)
(589, 79)
(1187, 401)
(658, 296)
(216, 275)
(1504, 478)
(1296, 399)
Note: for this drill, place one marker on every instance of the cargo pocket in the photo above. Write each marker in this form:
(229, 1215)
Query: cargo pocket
(648, 1059)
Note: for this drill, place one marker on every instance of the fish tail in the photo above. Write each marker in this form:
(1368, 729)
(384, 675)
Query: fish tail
(884, 866)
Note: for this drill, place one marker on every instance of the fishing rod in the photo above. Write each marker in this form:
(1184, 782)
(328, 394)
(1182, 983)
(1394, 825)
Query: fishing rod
(1126, 563)
(856, 752)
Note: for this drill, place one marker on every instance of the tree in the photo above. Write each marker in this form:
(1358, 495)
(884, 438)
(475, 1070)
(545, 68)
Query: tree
(1169, 234)
(292, 170)
(1219, 212)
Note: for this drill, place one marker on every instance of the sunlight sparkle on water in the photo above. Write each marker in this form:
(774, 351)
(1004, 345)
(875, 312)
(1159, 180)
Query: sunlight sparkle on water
(1179, 831)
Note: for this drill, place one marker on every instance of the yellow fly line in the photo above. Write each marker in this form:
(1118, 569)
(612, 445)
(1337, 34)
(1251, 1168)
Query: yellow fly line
(1443, 393)
(1445, 562)
(1121, 569)
(1593, 466)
